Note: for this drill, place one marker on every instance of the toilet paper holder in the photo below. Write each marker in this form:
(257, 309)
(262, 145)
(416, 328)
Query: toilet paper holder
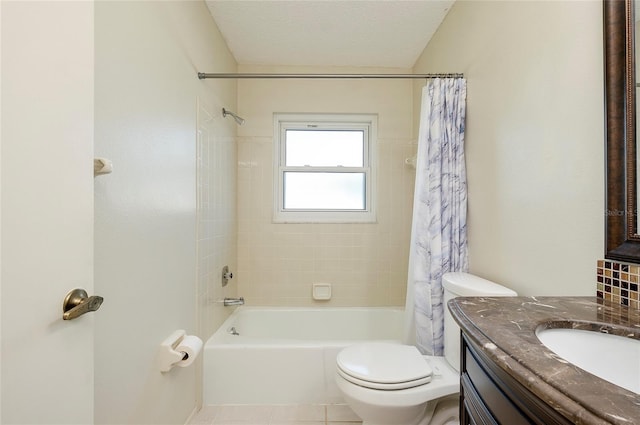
(172, 353)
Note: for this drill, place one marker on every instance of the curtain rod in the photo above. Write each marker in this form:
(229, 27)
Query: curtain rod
(203, 75)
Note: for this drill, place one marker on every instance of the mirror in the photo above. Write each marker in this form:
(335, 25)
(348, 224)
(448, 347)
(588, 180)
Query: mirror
(635, 33)
(622, 234)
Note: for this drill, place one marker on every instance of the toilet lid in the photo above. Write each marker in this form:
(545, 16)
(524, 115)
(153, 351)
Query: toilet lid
(384, 366)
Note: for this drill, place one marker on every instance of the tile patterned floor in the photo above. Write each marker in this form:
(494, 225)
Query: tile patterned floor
(333, 414)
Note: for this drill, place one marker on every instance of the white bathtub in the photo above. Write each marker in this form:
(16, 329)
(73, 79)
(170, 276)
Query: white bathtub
(287, 355)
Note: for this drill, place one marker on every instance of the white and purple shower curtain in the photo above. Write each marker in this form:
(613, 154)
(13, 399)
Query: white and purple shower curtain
(439, 229)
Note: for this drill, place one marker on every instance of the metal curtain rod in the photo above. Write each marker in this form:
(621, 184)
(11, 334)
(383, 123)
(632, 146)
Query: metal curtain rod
(203, 75)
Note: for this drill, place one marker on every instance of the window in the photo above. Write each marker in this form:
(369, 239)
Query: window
(325, 168)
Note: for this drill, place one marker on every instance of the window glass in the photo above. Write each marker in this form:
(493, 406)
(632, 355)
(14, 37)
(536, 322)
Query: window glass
(324, 168)
(324, 191)
(328, 148)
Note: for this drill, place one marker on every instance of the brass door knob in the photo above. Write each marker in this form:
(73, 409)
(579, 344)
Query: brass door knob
(78, 302)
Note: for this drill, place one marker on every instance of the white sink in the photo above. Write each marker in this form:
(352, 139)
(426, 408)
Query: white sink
(611, 357)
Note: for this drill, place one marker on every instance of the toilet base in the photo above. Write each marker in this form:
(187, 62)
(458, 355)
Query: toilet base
(434, 403)
(444, 411)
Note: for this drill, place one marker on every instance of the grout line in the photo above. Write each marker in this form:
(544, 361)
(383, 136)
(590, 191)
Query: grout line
(212, 415)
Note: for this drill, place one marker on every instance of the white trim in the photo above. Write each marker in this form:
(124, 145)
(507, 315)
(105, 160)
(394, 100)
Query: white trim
(366, 122)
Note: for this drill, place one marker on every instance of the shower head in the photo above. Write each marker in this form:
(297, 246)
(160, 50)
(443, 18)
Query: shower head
(239, 120)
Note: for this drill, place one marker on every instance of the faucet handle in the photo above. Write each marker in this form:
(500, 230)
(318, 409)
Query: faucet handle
(226, 275)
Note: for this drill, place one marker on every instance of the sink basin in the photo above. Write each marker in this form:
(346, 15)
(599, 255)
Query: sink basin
(611, 357)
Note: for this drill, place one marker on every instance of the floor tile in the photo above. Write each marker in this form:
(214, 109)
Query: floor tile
(205, 416)
(341, 413)
(299, 423)
(298, 413)
(316, 414)
(345, 423)
(246, 413)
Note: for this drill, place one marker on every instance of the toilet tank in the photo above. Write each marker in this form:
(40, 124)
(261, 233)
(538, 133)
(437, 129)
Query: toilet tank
(464, 285)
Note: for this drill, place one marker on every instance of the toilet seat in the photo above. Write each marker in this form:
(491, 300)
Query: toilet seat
(383, 366)
(379, 386)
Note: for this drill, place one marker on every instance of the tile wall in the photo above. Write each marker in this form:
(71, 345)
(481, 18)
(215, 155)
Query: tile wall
(216, 217)
(618, 282)
(365, 263)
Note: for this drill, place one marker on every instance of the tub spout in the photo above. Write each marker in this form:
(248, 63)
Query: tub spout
(233, 301)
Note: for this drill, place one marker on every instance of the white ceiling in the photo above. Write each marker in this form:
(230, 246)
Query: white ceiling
(375, 33)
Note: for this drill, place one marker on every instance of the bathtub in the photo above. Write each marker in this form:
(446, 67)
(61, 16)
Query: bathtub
(284, 355)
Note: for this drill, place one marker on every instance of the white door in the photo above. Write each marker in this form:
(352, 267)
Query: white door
(46, 210)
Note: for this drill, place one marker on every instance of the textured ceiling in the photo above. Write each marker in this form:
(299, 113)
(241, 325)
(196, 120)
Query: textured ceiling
(378, 33)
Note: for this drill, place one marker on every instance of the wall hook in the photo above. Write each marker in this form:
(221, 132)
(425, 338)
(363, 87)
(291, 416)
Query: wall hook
(102, 166)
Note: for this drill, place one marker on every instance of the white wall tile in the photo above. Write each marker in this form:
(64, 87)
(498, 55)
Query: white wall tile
(278, 263)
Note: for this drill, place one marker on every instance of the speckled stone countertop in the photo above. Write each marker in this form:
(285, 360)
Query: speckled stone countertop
(504, 329)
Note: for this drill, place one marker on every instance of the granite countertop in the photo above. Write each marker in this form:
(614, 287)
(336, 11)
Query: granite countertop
(504, 329)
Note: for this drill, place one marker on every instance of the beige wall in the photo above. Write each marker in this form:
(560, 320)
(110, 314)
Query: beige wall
(47, 211)
(147, 55)
(365, 263)
(534, 138)
(534, 153)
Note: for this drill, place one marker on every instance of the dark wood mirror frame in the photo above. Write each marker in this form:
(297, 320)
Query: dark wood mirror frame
(622, 238)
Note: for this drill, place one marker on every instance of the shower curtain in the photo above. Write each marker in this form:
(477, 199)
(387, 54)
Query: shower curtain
(439, 226)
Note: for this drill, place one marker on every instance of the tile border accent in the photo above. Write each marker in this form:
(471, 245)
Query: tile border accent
(618, 282)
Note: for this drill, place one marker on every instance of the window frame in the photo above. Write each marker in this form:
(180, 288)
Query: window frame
(304, 121)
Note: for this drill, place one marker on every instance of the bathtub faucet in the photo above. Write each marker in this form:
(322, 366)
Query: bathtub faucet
(233, 301)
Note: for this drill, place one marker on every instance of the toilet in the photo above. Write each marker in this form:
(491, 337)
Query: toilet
(394, 384)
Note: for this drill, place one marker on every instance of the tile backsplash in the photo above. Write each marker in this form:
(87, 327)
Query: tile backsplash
(618, 282)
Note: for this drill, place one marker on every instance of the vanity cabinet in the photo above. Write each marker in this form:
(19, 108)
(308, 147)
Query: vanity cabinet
(490, 396)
